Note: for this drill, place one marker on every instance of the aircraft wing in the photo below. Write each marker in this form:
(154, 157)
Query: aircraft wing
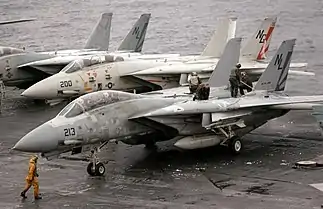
(47, 69)
(51, 61)
(160, 77)
(226, 105)
(176, 68)
(208, 67)
(280, 101)
(258, 72)
(155, 83)
(49, 66)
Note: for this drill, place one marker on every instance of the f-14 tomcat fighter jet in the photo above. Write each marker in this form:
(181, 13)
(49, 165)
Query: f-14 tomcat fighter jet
(22, 68)
(149, 75)
(99, 117)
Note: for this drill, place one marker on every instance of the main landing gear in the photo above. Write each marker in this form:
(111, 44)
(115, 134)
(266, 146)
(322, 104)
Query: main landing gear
(151, 145)
(232, 141)
(96, 168)
(235, 145)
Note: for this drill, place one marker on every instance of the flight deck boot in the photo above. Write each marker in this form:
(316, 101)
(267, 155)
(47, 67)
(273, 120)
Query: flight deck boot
(23, 194)
(38, 197)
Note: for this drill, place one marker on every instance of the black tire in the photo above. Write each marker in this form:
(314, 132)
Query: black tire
(151, 145)
(235, 145)
(90, 170)
(99, 169)
(39, 102)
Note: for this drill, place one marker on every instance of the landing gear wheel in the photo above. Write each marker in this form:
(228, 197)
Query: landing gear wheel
(235, 145)
(150, 145)
(99, 169)
(39, 102)
(90, 170)
(95, 167)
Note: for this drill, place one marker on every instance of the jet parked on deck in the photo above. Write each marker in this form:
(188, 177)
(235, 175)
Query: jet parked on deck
(22, 68)
(79, 78)
(102, 116)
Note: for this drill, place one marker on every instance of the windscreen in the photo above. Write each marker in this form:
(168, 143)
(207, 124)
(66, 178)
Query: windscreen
(74, 111)
(73, 66)
(71, 110)
(66, 109)
(80, 64)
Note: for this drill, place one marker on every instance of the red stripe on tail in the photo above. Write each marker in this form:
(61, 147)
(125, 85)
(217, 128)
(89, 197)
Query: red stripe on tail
(262, 52)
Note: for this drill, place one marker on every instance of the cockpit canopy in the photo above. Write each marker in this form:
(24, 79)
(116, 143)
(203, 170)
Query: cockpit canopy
(10, 50)
(95, 100)
(71, 110)
(79, 64)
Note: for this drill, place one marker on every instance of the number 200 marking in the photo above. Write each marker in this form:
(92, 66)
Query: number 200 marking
(69, 131)
(66, 83)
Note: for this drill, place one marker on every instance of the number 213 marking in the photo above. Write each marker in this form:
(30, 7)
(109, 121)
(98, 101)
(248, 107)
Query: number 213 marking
(69, 131)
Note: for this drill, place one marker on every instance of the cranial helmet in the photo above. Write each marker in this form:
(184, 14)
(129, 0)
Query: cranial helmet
(194, 73)
(238, 65)
(34, 157)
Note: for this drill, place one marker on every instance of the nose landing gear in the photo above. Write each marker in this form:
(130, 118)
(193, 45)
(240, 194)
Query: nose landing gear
(96, 168)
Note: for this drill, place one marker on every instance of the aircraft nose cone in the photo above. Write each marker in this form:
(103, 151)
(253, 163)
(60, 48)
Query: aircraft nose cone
(44, 89)
(36, 91)
(41, 139)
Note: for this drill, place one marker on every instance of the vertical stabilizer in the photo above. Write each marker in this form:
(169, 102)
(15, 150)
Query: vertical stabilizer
(258, 45)
(225, 31)
(134, 41)
(275, 75)
(100, 36)
(230, 57)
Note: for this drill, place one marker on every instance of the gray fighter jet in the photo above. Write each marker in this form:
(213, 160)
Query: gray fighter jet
(149, 75)
(22, 69)
(99, 117)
